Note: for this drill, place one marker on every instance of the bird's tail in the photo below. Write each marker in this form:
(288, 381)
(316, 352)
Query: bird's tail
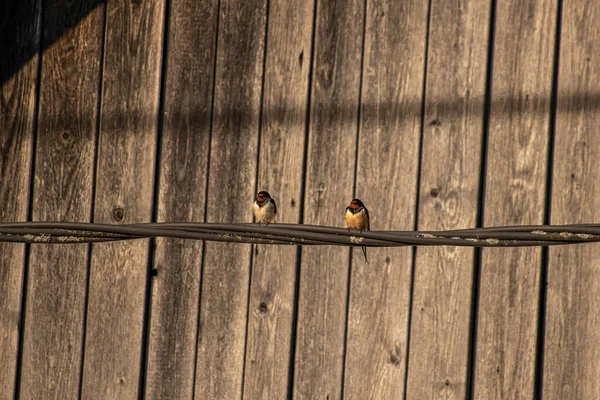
(364, 249)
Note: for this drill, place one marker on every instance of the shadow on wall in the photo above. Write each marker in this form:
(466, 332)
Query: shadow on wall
(21, 25)
(21, 30)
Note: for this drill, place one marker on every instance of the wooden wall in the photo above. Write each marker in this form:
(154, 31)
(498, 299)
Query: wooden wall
(438, 115)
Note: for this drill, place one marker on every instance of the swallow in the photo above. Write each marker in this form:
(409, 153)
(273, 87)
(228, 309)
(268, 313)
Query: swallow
(264, 208)
(357, 217)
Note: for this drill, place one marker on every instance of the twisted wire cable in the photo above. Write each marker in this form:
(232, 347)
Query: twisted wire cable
(298, 234)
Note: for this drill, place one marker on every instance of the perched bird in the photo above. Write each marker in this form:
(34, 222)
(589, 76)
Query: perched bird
(357, 217)
(264, 208)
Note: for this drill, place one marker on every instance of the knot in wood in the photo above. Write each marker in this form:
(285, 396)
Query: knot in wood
(118, 214)
(263, 307)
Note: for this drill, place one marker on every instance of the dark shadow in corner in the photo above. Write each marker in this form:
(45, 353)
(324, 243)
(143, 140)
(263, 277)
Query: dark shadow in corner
(20, 30)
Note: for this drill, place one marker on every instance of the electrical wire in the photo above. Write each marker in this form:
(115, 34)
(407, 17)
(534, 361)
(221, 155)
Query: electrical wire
(298, 234)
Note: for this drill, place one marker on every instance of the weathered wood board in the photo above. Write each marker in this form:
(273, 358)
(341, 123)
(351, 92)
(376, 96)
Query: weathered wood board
(448, 197)
(177, 267)
(316, 102)
(124, 191)
(17, 118)
(280, 172)
(63, 183)
(388, 161)
(572, 345)
(515, 195)
(324, 273)
(231, 186)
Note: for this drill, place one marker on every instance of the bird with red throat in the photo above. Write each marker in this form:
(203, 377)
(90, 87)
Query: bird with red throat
(357, 217)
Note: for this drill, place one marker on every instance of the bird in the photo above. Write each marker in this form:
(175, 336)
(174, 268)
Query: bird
(264, 208)
(357, 217)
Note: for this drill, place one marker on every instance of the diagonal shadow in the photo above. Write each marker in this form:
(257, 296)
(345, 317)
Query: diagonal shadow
(22, 35)
(20, 30)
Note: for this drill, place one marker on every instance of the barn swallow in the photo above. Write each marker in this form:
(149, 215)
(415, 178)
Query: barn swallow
(357, 217)
(264, 208)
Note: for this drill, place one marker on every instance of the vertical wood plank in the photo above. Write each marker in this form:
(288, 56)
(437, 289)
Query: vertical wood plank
(329, 182)
(452, 135)
(17, 115)
(572, 322)
(68, 112)
(388, 160)
(515, 195)
(283, 134)
(232, 178)
(124, 187)
(184, 162)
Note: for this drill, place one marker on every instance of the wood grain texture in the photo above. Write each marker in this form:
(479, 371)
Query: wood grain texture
(17, 114)
(572, 321)
(68, 112)
(452, 135)
(281, 159)
(232, 178)
(329, 181)
(185, 142)
(124, 180)
(388, 161)
(515, 195)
